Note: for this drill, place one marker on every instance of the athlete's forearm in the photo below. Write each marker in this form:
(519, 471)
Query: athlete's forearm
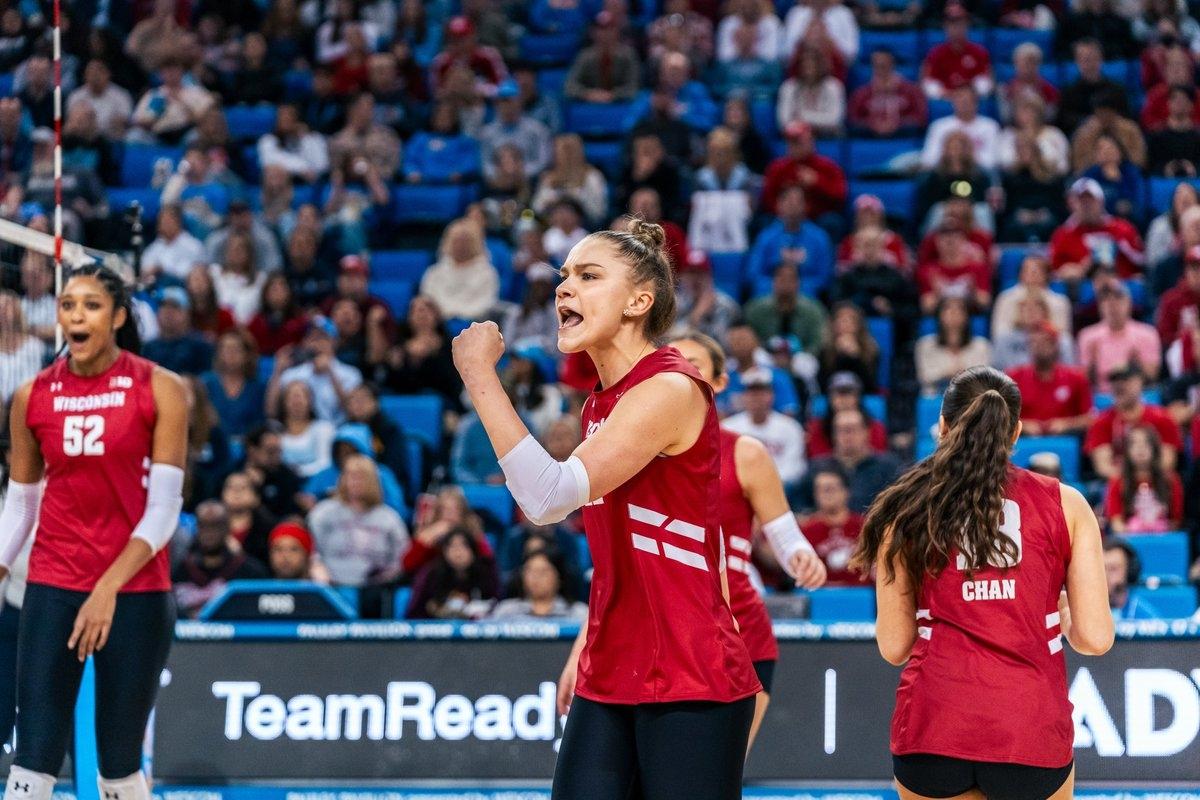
(501, 421)
(137, 554)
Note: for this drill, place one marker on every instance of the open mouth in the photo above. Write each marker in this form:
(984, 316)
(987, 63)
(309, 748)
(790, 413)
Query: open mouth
(78, 337)
(568, 319)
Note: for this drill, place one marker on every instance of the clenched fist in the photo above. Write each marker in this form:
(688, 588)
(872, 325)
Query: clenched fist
(477, 349)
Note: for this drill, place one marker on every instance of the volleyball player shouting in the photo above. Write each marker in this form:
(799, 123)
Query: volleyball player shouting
(108, 431)
(750, 488)
(971, 555)
(664, 686)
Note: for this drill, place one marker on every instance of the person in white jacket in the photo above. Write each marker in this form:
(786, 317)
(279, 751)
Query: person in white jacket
(780, 434)
(463, 282)
(294, 147)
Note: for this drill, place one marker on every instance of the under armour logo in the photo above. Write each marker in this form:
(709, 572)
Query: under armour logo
(109, 794)
(20, 787)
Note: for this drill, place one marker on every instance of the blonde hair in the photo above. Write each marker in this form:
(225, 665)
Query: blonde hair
(374, 494)
(453, 229)
(568, 175)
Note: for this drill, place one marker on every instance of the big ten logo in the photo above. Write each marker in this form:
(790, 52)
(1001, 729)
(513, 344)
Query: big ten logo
(276, 604)
(120, 382)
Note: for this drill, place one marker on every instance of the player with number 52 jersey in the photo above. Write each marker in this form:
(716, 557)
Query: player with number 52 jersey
(95, 435)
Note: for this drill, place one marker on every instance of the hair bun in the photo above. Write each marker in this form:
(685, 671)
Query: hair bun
(650, 234)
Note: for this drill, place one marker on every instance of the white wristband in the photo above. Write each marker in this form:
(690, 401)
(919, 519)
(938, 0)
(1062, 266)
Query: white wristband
(545, 489)
(785, 538)
(164, 501)
(21, 505)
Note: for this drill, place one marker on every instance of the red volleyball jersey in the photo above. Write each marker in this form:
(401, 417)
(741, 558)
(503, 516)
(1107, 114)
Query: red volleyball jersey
(95, 435)
(987, 677)
(737, 526)
(659, 629)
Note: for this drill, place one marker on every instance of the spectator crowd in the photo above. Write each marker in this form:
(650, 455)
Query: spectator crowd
(860, 200)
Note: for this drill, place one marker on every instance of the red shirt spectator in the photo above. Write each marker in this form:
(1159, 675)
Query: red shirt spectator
(834, 540)
(976, 237)
(1156, 109)
(823, 180)
(958, 61)
(1180, 307)
(1169, 65)
(462, 49)
(1111, 427)
(1036, 85)
(817, 440)
(957, 270)
(868, 212)
(1149, 514)
(1062, 393)
(1090, 234)
(889, 102)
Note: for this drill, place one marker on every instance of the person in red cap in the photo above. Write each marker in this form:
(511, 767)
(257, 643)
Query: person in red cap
(888, 104)
(869, 213)
(290, 552)
(823, 180)
(354, 275)
(957, 61)
(1092, 238)
(464, 51)
(1179, 309)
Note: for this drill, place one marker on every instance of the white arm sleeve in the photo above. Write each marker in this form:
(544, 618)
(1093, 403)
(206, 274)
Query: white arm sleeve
(545, 489)
(786, 540)
(18, 518)
(164, 501)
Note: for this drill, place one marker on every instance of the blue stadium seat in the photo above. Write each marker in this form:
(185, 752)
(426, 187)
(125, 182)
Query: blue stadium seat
(979, 325)
(1126, 72)
(249, 122)
(842, 604)
(6, 84)
(414, 459)
(442, 159)
(266, 365)
(1011, 257)
(400, 601)
(867, 156)
(765, 120)
(906, 45)
(561, 18)
(1163, 555)
(406, 265)
(420, 415)
(929, 408)
(551, 81)
(297, 84)
(396, 293)
(832, 149)
(899, 197)
(1161, 190)
(605, 156)
(139, 160)
(1172, 602)
(1006, 40)
(1067, 448)
(548, 48)
(119, 200)
(1102, 401)
(883, 331)
(430, 204)
(876, 405)
(728, 273)
(496, 500)
(598, 119)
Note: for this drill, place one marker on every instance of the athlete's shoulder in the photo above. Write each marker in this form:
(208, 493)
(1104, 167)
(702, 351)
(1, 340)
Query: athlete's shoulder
(1028, 481)
(166, 385)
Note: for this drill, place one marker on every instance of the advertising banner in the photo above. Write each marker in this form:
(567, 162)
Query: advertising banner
(481, 709)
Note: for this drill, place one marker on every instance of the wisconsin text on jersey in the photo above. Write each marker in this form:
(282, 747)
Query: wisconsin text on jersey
(90, 402)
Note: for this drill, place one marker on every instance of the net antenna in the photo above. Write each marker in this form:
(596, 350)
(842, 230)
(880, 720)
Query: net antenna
(58, 234)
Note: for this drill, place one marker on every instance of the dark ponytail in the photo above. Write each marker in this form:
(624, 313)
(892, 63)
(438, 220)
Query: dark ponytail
(127, 336)
(954, 499)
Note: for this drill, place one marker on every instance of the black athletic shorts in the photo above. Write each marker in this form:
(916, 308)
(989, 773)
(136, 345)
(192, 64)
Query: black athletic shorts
(765, 670)
(942, 776)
